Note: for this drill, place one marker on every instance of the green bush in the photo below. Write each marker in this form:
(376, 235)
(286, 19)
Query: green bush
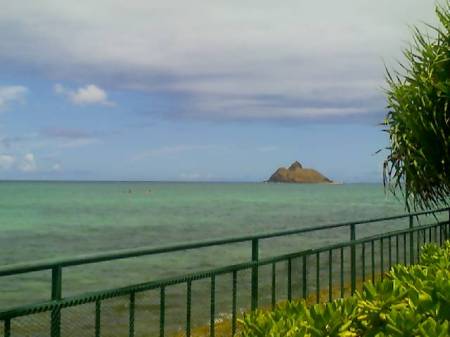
(410, 301)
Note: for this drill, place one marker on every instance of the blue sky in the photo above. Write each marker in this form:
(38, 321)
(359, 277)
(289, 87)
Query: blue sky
(198, 90)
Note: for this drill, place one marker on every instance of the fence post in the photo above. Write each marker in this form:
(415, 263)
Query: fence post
(7, 328)
(447, 227)
(55, 326)
(353, 258)
(255, 258)
(411, 240)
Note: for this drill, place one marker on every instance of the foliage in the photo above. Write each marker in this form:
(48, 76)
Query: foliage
(410, 301)
(418, 121)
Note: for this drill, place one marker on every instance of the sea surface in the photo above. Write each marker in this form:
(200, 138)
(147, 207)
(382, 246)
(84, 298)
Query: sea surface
(48, 220)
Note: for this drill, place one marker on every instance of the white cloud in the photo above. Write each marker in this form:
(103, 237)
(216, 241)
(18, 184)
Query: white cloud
(56, 167)
(28, 163)
(87, 95)
(6, 161)
(11, 94)
(90, 94)
(215, 51)
(59, 88)
(24, 163)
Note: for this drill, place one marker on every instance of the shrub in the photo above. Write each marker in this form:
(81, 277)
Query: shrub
(410, 301)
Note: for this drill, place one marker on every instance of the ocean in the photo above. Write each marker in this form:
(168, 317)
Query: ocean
(48, 220)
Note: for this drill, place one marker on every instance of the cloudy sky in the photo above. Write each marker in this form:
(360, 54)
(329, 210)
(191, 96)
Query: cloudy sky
(197, 90)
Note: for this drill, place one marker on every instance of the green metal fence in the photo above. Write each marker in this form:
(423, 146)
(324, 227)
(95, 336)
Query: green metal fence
(323, 274)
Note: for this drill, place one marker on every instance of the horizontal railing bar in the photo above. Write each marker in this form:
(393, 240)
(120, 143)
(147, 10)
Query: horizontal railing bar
(123, 291)
(348, 243)
(143, 251)
(376, 237)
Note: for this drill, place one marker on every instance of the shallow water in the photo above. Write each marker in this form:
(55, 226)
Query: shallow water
(40, 220)
(54, 219)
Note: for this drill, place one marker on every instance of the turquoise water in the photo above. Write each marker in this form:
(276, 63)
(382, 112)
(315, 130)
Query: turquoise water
(41, 220)
(55, 219)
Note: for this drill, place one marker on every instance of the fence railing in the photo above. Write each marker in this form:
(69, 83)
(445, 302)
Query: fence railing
(322, 270)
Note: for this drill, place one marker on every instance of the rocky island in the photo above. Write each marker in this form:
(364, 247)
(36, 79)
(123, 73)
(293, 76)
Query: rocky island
(297, 174)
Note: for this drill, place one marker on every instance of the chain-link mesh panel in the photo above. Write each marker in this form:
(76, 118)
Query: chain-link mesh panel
(200, 306)
(280, 282)
(146, 322)
(297, 291)
(223, 305)
(115, 317)
(347, 272)
(244, 291)
(37, 325)
(311, 278)
(265, 285)
(306, 273)
(326, 274)
(78, 321)
(176, 308)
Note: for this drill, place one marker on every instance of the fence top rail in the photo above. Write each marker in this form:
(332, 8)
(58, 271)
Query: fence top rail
(22, 268)
(90, 297)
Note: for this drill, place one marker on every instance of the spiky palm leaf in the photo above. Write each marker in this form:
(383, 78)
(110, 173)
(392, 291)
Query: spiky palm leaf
(418, 121)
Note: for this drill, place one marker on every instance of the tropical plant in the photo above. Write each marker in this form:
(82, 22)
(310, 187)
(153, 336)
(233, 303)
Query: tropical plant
(418, 120)
(410, 301)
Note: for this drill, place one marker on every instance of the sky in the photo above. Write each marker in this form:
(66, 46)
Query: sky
(197, 90)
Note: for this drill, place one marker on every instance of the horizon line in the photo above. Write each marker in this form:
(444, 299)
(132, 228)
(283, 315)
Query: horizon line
(181, 181)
